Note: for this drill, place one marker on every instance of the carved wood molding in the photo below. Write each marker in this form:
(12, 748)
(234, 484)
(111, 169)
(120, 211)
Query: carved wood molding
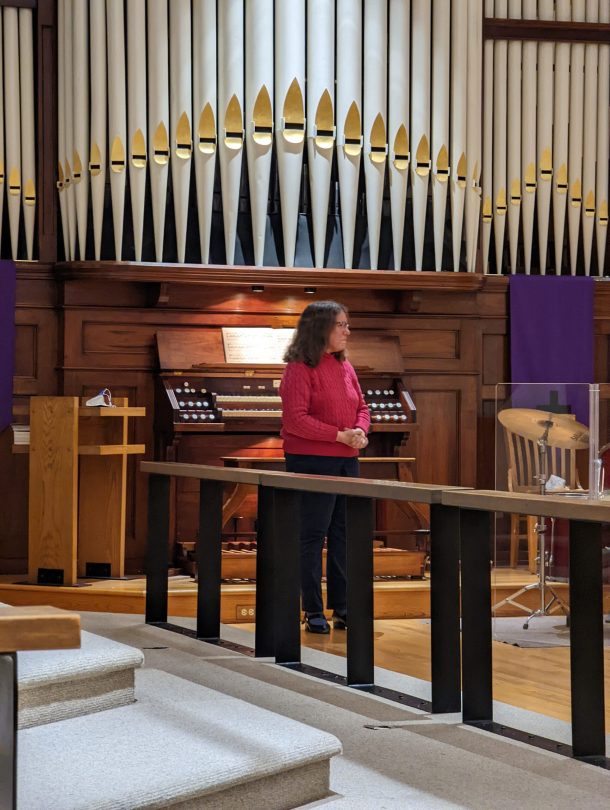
(247, 276)
(545, 30)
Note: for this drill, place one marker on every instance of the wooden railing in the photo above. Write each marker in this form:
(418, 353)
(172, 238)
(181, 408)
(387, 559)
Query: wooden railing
(25, 628)
(460, 544)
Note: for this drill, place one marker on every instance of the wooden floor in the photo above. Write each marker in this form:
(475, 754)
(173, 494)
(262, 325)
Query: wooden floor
(535, 679)
(393, 599)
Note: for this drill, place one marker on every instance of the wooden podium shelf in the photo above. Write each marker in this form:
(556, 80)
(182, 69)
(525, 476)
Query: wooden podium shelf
(78, 488)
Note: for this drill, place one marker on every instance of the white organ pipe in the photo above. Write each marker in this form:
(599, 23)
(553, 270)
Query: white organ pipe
(180, 114)
(12, 121)
(457, 159)
(97, 156)
(544, 133)
(374, 118)
(603, 133)
(204, 116)
(441, 43)
(320, 115)
(398, 119)
(230, 113)
(589, 139)
(136, 116)
(560, 135)
(499, 140)
(28, 156)
(259, 115)
(69, 125)
(575, 137)
(473, 130)
(420, 121)
(349, 117)
(61, 127)
(488, 139)
(158, 115)
(80, 39)
(117, 124)
(513, 160)
(528, 138)
(289, 114)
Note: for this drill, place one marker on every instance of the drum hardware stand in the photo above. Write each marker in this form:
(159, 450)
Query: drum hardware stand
(544, 559)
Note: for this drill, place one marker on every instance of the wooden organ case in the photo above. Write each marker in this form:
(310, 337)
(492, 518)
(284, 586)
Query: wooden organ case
(210, 411)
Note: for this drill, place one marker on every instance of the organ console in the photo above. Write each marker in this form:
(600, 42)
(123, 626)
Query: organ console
(216, 412)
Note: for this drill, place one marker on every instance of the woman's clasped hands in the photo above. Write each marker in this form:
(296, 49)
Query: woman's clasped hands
(353, 437)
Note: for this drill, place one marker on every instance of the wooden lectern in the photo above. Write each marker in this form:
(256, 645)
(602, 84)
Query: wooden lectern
(78, 488)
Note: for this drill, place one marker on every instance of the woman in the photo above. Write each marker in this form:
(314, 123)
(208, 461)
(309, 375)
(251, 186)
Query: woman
(324, 424)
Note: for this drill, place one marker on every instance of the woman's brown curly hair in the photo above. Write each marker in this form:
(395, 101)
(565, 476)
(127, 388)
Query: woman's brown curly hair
(312, 333)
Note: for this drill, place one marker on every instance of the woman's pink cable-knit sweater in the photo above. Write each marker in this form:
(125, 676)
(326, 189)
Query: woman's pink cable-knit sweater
(318, 402)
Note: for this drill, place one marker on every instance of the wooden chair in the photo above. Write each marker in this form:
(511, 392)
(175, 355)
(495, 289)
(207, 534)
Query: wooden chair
(523, 476)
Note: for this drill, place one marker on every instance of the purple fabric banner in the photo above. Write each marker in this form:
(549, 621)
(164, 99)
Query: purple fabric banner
(7, 341)
(551, 336)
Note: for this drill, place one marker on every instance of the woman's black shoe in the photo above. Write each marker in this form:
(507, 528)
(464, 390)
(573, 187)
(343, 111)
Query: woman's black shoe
(339, 621)
(316, 623)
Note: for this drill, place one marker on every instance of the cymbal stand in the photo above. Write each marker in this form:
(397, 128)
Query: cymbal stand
(543, 559)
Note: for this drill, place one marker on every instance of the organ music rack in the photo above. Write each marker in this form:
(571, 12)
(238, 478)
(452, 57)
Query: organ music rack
(208, 410)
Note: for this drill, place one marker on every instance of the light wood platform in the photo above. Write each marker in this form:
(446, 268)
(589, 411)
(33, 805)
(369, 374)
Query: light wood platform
(393, 599)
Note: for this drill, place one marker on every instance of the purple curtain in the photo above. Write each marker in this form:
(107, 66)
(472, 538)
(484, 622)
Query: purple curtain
(7, 340)
(551, 336)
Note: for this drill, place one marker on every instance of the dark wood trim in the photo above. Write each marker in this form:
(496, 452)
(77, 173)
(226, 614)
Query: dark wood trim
(546, 30)
(21, 3)
(46, 38)
(235, 276)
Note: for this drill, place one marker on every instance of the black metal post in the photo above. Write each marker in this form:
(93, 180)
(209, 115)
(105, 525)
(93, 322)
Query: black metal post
(8, 731)
(209, 559)
(586, 640)
(264, 644)
(360, 639)
(477, 685)
(445, 608)
(157, 548)
(287, 586)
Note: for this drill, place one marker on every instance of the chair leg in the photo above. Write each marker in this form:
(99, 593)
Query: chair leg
(514, 541)
(532, 543)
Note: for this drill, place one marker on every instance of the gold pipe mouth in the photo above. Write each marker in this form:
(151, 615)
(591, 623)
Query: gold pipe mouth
(352, 144)
(487, 213)
(206, 131)
(379, 146)
(117, 155)
(184, 143)
(324, 126)
(161, 145)
(402, 157)
(138, 150)
(293, 118)
(262, 119)
(423, 163)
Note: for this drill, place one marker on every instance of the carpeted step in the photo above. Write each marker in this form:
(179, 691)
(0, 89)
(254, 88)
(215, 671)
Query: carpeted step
(58, 684)
(180, 745)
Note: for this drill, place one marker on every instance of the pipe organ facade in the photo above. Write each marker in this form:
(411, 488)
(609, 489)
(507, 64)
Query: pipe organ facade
(356, 133)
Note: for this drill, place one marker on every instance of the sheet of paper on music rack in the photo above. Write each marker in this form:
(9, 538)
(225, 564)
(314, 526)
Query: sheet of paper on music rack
(255, 344)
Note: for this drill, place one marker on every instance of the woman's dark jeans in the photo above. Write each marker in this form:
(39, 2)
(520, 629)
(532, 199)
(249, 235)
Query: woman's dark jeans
(323, 515)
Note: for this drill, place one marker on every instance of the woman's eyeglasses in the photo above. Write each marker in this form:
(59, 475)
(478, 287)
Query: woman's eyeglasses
(342, 324)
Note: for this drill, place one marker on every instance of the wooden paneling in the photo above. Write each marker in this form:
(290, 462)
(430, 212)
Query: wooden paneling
(447, 415)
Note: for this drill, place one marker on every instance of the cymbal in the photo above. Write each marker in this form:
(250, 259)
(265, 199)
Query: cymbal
(563, 430)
